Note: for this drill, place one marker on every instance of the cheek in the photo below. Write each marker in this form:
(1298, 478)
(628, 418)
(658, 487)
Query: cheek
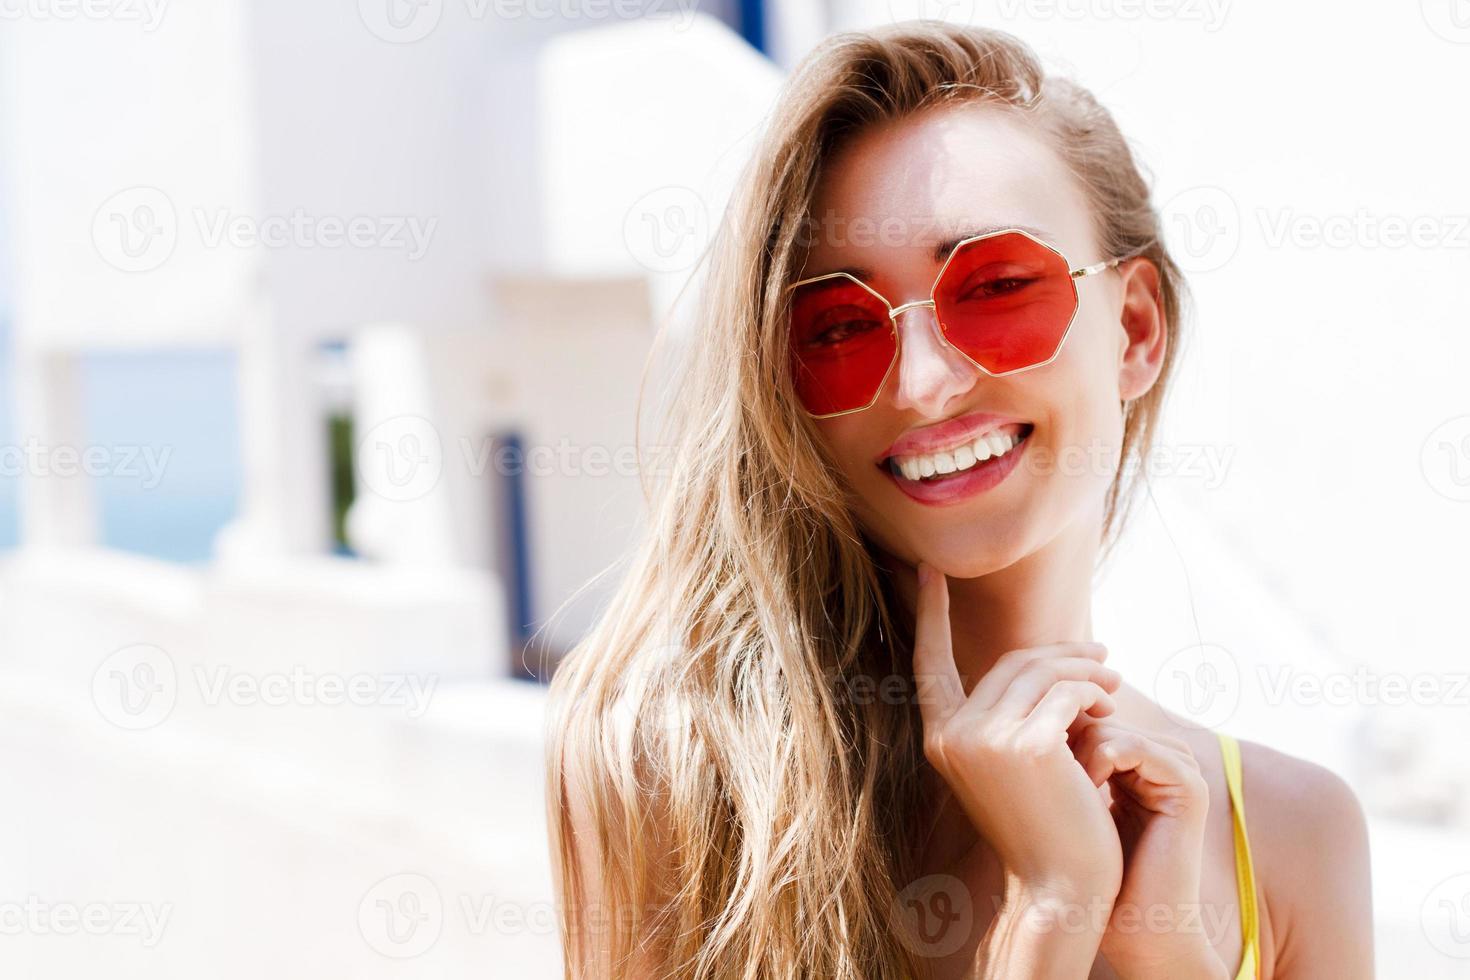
(1090, 358)
(846, 442)
(1083, 425)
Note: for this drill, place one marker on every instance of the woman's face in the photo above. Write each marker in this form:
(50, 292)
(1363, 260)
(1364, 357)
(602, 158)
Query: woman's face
(884, 202)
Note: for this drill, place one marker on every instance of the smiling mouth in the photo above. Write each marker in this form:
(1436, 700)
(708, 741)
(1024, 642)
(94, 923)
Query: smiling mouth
(957, 460)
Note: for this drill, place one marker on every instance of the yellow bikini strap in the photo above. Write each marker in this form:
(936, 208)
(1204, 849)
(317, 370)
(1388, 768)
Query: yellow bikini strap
(1245, 875)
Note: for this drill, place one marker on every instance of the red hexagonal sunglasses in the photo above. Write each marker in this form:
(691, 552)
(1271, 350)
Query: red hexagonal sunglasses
(1005, 299)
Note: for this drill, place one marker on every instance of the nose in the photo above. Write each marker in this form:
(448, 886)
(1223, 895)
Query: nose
(931, 373)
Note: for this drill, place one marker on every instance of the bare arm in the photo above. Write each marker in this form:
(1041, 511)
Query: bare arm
(591, 924)
(1313, 861)
(1040, 936)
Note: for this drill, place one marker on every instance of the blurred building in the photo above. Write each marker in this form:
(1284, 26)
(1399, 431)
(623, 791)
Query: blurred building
(402, 277)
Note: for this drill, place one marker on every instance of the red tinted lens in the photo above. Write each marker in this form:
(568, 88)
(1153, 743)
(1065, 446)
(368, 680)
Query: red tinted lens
(842, 344)
(1006, 302)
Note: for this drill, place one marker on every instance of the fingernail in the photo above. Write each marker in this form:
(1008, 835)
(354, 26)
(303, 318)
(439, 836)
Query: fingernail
(924, 574)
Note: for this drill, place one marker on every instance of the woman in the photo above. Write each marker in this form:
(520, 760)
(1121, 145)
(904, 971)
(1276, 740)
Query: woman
(845, 717)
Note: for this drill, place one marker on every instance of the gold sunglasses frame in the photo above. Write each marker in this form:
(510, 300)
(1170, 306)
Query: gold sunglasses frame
(894, 311)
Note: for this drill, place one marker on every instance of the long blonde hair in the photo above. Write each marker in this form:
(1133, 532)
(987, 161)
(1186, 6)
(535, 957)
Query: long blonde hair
(748, 818)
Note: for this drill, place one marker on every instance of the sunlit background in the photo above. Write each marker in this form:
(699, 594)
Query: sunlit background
(321, 331)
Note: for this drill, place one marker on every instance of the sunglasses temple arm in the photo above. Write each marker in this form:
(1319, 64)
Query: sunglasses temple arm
(1089, 270)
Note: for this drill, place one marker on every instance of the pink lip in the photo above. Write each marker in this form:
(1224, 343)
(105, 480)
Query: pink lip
(945, 435)
(953, 489)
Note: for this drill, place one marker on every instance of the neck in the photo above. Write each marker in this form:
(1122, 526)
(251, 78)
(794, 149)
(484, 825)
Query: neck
(1045, 597)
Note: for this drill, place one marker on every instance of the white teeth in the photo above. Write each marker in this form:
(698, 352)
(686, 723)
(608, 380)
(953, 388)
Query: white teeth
(957, 459)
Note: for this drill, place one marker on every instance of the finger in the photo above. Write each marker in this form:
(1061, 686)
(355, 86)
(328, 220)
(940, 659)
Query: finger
(1165, 753)
(1157, 776)
(937, 678)
(1089, 737)
(1060, 706)
(1079, 725)
(1010, 665)
(1040, 676)
(1170, 741)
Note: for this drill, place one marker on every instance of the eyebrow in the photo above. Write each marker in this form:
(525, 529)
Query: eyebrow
(942, 250)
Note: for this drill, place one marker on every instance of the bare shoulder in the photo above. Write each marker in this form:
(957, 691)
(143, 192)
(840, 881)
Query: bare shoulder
(1309, 844)
(614, 858)
(1296, 799)
(1298, 810)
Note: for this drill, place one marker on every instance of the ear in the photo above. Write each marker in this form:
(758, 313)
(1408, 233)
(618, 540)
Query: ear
(1143, 339)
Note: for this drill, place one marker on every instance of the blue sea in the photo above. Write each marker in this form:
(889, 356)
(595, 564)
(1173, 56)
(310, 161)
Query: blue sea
(168, 424)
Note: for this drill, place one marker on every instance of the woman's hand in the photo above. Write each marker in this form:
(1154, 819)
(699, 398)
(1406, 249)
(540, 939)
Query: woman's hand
(1003, 751)
(1157, 928)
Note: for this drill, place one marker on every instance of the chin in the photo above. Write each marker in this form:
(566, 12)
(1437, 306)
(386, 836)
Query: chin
(975, 551)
